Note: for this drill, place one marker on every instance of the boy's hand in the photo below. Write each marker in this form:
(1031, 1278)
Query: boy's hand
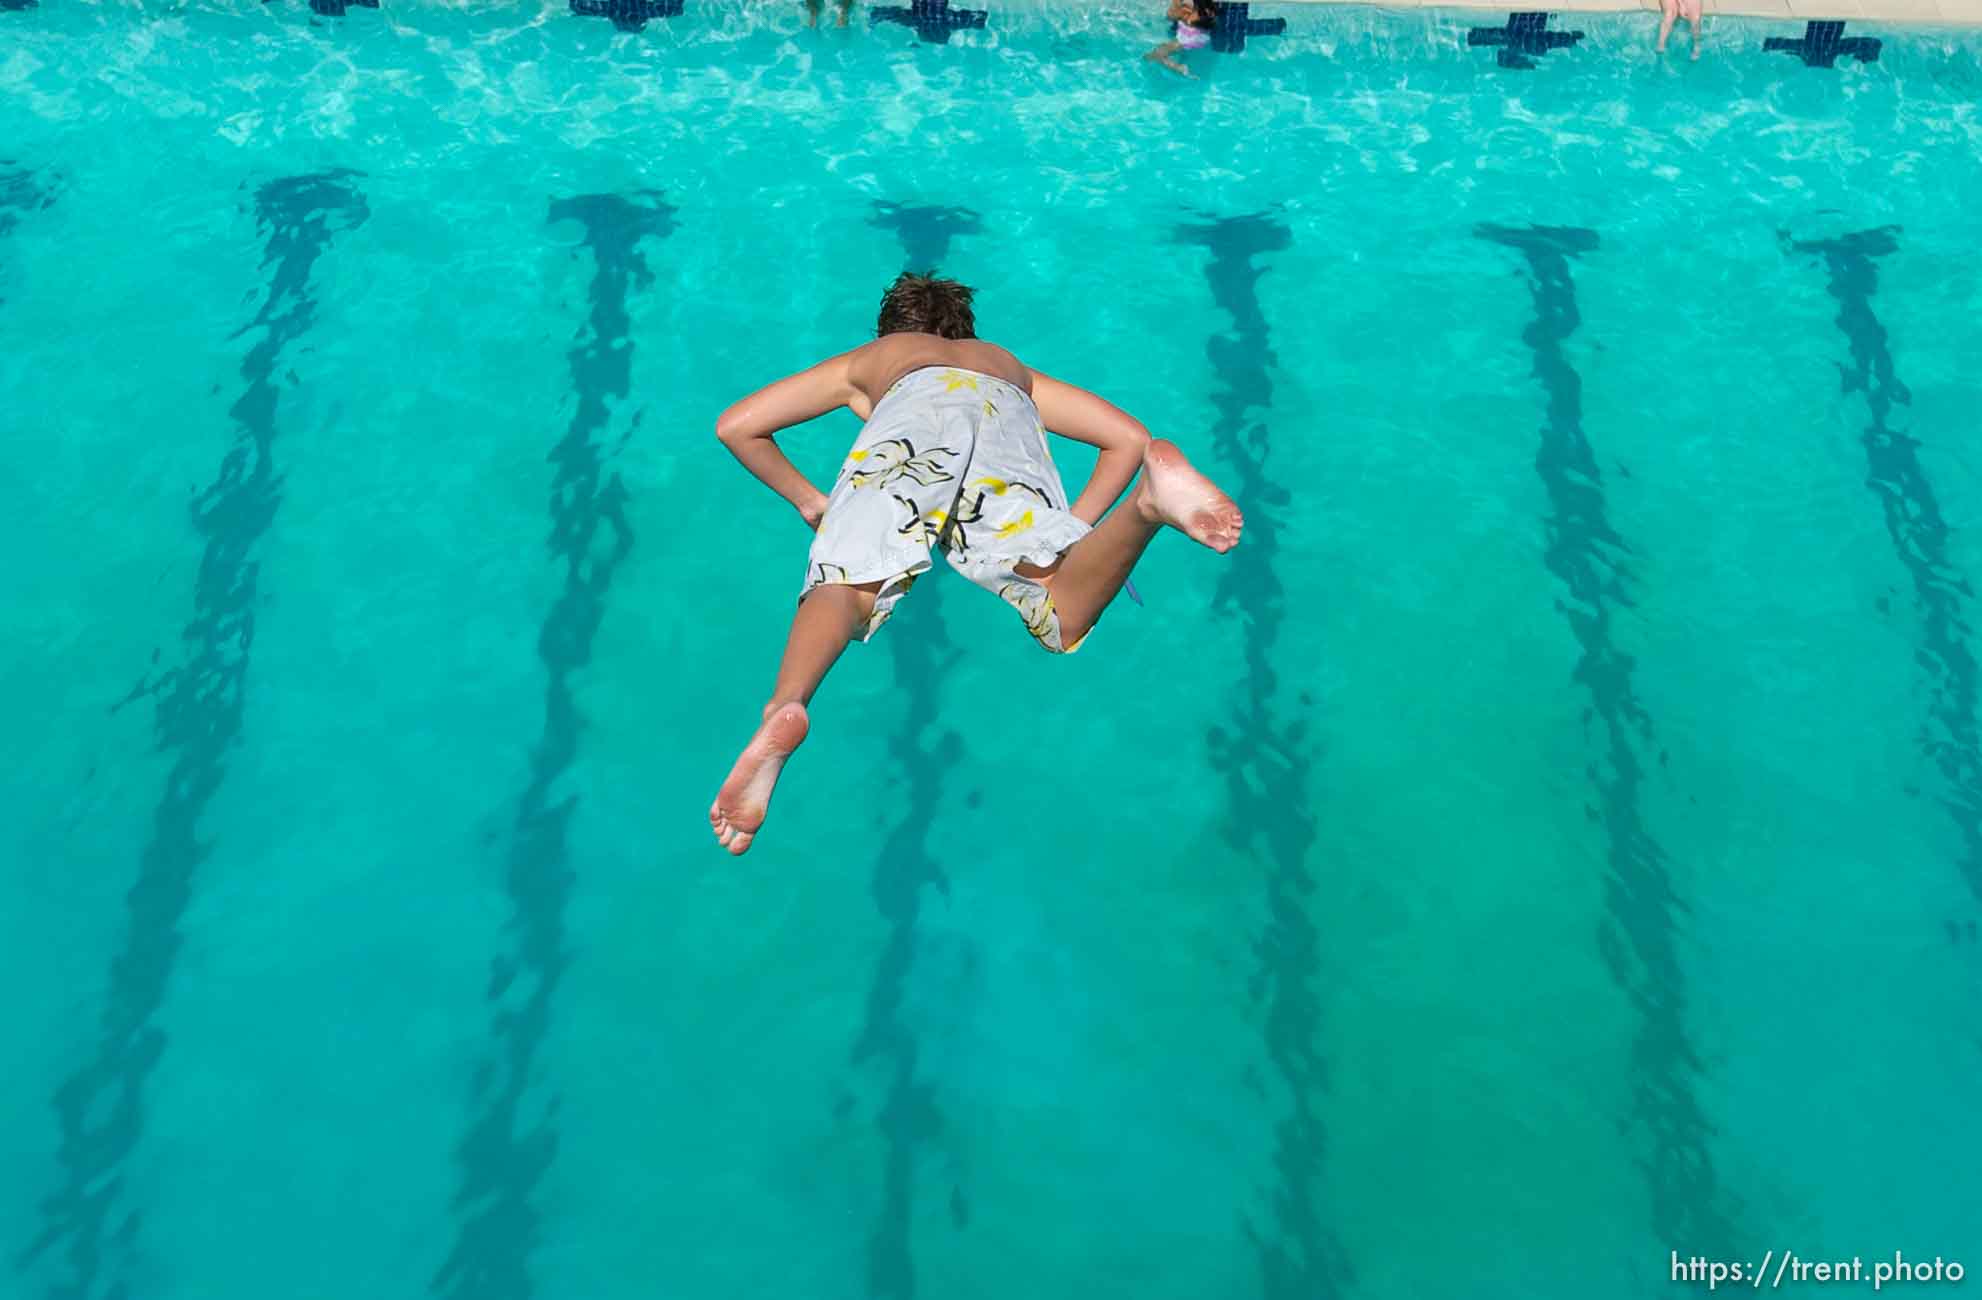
(813, 510)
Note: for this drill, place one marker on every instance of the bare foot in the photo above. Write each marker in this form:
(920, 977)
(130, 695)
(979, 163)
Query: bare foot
(740, 805)
(1173, 493)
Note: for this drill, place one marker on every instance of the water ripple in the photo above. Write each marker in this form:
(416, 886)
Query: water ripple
(1267, 761)
(1640, 938)
(1949, 735)
(198, 719)
(511, 1138)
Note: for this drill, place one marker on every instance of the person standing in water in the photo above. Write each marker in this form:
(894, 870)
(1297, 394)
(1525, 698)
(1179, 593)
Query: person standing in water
(952, 457)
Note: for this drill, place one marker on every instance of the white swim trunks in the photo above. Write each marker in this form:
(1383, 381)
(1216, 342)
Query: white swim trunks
(957, 460)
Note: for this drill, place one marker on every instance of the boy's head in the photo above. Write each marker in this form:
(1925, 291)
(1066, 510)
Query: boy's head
(923, 304)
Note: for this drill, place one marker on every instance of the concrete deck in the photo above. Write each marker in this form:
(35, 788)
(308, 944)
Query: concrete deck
(1938, 13)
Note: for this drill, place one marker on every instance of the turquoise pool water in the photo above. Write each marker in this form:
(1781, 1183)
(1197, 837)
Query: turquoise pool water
(1553, 840)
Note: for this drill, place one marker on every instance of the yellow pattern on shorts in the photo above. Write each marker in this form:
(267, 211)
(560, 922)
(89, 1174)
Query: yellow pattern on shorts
(954, 462)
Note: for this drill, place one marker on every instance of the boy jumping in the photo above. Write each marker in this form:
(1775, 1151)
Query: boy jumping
(954, 456)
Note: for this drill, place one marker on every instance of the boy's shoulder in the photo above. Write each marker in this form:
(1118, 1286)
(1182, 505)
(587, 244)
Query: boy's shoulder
(873, 365)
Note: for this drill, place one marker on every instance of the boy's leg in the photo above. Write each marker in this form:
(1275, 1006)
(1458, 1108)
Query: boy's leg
(1169, 494)
(1085, 579)
(828, 618)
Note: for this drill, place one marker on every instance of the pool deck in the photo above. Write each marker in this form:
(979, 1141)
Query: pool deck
(1937, 13)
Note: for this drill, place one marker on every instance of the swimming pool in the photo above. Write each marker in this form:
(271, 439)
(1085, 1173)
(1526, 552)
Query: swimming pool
(1553, 840)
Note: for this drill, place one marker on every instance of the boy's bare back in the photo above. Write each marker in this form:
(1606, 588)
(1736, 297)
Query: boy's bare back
(874, 367)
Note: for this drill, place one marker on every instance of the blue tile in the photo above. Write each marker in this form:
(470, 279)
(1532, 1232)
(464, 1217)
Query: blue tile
(933, 20)
(1822, 42)
(1525, 38)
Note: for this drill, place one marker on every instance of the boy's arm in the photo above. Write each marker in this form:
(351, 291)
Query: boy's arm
(1078, 414)
(750, 428)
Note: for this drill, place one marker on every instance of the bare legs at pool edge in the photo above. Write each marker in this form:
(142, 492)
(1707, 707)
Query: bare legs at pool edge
(812, 12)
(1672, 12)
(1168, 494)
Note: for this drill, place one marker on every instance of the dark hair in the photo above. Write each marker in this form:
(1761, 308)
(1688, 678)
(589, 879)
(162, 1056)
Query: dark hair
(922, 304)
(1207, 14)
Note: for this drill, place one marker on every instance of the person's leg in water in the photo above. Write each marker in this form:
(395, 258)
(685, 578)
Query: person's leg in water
(828, 618)
(1690, 10)
(1166, 54)
(1169, 493)
(1669, 14)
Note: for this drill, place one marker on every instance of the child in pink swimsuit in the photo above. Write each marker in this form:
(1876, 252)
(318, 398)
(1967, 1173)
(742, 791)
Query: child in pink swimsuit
(1194, 20)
